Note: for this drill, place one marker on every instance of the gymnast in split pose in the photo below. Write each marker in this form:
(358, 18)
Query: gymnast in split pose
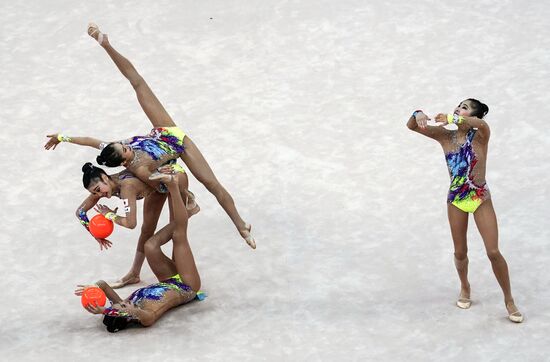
(179, 279)
(466, 154)
(142, 155)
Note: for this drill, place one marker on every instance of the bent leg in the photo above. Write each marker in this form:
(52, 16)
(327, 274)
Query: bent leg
(183, 256)
(152, 207)
(458, 221)
(162, 266)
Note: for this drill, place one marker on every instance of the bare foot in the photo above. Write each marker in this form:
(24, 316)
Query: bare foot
(125, 280)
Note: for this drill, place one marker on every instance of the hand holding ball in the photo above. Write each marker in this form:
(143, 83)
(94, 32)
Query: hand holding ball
(100, 227)
(93, 296)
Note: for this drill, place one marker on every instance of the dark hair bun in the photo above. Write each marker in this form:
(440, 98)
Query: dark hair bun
(88, 167)
(480, 108)
(484, 109)
(100, 160)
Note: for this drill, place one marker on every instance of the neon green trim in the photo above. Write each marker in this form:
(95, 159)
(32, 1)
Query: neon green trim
(111, 216)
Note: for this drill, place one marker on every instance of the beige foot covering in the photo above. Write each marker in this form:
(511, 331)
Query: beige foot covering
(513, 313)
(247, 235)
(464, 301)
(93, 29)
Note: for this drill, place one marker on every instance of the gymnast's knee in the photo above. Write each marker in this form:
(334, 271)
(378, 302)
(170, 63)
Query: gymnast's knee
(151, 245)
(494, 255)
(136, 81)
(461, 255)
(216, 188)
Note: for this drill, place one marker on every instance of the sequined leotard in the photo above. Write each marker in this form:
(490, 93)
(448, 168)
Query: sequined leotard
(159, 142)
(468, 188)
(126, 175)
(156, 293)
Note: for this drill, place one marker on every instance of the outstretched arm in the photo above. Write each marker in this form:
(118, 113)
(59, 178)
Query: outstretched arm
(82, 217)
(57, 138)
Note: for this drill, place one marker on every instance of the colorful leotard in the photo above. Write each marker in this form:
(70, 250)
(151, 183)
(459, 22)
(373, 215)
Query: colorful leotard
(155, 292)
(126, 175)
(159, 142)
(464, 193)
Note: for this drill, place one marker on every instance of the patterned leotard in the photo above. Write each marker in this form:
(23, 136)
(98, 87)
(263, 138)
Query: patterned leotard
(155, 293)
(125, 175)
(158, 290)
(464, 192)
(159, 142)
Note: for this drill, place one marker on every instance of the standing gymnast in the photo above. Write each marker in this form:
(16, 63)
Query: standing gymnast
(136, 155)
(466, 154)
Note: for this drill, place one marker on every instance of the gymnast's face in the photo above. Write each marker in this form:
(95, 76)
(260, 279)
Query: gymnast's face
(124, 151)
(464, 109)
(101, 187)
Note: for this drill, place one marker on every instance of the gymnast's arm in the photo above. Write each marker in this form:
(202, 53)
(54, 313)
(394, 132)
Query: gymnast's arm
(128, 194)
(57, 138)
(480, 124)
(81, 215)
(418, 122)
(143, 173)
(109, 292)
(467, 122)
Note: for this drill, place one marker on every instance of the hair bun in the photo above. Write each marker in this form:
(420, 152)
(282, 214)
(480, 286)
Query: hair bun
(485, 109)
(88, 167)
(100, 160)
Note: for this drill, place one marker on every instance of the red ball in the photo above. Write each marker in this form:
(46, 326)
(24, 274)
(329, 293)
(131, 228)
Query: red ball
(93, 296)
(100, 227)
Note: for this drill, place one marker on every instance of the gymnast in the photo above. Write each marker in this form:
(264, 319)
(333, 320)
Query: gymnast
(179, 279)
(130, 189)
(466, 154)
(142, 155)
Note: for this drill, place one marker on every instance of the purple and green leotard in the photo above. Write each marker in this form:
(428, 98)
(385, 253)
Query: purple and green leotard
(464, 193)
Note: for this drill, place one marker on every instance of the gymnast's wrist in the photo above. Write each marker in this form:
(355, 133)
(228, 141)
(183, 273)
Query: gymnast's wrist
(111, 216)
(455, 118)
(416, 112)
(62, 138)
